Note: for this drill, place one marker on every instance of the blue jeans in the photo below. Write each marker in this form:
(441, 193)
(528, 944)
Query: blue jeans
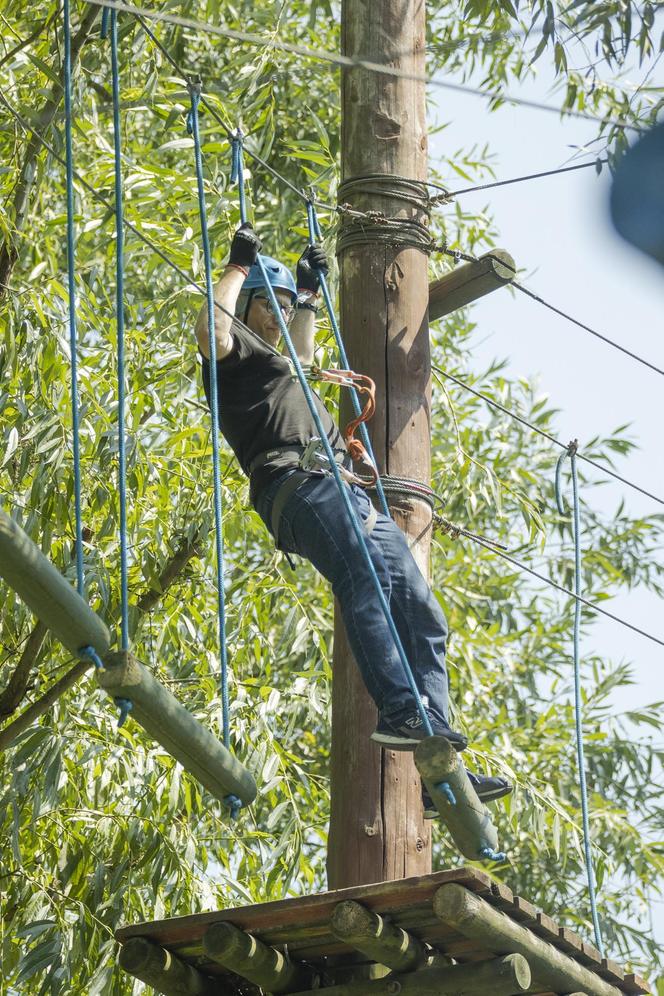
(315, 525)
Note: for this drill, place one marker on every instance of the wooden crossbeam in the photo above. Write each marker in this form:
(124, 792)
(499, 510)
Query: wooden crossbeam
(501, 977)
(470, 281)
(468, 821)
(257, 962)
(498, 933)
(378, 938)
(44, 590)
(165, 972)
(170, 724)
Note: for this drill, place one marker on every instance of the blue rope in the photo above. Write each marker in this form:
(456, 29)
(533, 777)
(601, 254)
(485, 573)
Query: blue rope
(314, 234)
(93, 656)
(446, 790)
(71, 285)
(119, 309)
(103, 33)
(237, 171)
(343, 491)
(571, 452)
(124, 705)
(489, 854)
(192, 127)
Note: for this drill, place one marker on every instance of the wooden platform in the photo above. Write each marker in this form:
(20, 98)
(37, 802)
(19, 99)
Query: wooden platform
(302, 927)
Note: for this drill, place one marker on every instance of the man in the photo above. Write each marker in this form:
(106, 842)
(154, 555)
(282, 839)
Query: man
(265, 418)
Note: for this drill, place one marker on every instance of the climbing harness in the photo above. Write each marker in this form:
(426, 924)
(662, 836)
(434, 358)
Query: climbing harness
(578, 704)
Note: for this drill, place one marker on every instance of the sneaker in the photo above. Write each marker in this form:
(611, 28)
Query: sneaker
(488, 789)
(406, 732)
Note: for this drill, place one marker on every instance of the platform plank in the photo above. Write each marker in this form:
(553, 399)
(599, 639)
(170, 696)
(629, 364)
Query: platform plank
(302, 925)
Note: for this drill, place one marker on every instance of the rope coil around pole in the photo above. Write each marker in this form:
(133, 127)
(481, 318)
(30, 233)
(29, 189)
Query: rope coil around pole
(356, 525)
(314, 234)
(193, 129)
(71, 289)
(358, 228)
(578, 707)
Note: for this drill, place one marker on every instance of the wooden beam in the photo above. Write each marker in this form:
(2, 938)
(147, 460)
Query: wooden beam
(164, 972)
(468, 821)
(496, 932)
(377, 938)
(500, 977)
(44, 590)
(470, 281)
(257, 962)
(170, 724)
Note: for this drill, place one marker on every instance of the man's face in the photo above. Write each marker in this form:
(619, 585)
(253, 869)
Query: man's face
(262, 319)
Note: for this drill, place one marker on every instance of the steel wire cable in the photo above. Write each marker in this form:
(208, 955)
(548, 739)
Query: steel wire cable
(349, 62)
(547, 435)
(174, 266)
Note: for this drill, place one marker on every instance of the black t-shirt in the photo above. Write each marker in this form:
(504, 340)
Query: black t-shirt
(262, 406)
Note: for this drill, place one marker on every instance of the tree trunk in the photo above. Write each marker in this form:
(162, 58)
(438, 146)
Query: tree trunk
(376, 828)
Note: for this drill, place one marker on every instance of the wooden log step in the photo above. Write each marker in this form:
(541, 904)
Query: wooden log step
(636, 985)
(44, 590)
(500, 977)
(170, 724)
(257, 962)
(551, 968)
(378, 938)
(470, 281)
(468, 821)
(166, 974)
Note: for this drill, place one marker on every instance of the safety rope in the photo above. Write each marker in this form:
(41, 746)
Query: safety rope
(355, 521)
(71, 290)
(571, 452)
(315, 233)
(29, 129)
(234, 803)
(360, 228)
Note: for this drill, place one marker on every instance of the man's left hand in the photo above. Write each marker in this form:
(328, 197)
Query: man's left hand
(310, 265)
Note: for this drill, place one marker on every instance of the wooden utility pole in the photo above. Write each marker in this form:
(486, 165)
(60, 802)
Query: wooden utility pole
(376, 829)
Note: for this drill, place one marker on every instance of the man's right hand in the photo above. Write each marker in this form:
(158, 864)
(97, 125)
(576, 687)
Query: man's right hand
(245, 246)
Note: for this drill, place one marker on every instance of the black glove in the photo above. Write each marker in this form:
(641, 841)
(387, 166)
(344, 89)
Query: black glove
(310, 265)
(245, 246)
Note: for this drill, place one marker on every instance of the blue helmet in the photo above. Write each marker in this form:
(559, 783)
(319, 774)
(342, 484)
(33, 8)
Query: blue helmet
(280, 277)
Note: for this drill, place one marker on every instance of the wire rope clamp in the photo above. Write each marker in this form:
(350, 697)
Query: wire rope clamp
(468, 820)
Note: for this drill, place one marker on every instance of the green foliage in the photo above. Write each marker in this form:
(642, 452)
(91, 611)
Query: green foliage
(101, 826)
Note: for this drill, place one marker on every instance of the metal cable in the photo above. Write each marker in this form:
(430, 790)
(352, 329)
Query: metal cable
(546, 435)
(349, 62)
(174, 266)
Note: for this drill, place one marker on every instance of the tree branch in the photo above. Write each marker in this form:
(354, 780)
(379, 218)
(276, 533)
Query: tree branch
(42, 705)
(26, 178)
(174, 567)
(12, 695)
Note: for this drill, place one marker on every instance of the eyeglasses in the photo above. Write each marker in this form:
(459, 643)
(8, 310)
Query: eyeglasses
(286, 310)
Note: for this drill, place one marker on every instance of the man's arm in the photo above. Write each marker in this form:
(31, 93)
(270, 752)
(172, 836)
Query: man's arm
(244, 249)
(310, 265)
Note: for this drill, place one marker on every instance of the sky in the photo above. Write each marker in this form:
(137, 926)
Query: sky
(558, 229)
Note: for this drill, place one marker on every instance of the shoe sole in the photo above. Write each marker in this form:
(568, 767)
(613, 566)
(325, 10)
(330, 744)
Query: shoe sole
(395, 742)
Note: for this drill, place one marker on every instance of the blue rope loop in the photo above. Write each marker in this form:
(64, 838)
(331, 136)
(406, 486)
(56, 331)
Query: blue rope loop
(488, 854)
(344, 491)
(71, 293)
(234, 804)
(91, 654)
(195, 94)
(571, 452)
(124, 706)
(315, 234)
(446, 790)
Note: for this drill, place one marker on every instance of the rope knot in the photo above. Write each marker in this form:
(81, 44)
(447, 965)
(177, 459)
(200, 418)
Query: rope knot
(572, 447)
(125, 706)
